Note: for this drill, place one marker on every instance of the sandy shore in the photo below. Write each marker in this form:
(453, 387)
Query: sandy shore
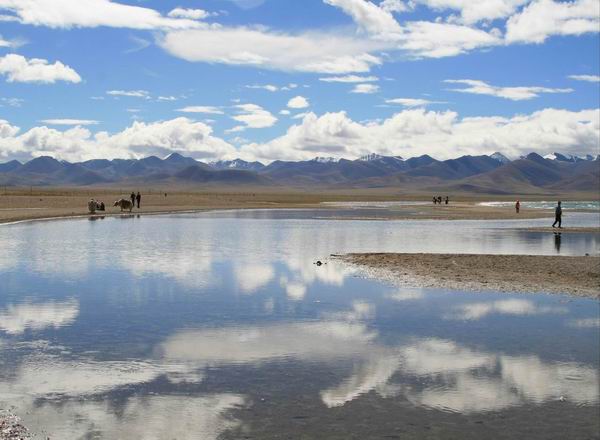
(579, 276)
(11, 427)
(37, 203)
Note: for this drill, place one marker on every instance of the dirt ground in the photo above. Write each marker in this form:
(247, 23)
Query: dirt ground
(18, 204)
(579, 276)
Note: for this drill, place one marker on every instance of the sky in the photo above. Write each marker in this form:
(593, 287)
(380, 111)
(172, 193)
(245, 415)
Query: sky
(297, 79)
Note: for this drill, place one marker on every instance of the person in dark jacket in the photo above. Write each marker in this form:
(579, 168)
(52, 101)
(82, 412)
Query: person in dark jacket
(132, 197)
(557, 216)
(138, 198)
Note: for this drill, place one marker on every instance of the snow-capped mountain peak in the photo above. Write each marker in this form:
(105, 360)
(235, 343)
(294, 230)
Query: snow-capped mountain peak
(500, 157)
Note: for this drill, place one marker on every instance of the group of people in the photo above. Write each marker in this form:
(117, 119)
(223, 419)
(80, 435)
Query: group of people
(135, 198)
(557, 213)
(438, 200)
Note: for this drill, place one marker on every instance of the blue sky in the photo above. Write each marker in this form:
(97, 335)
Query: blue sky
(289, 79)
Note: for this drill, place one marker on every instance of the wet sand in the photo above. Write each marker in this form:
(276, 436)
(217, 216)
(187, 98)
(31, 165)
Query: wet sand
(564, 230)
(36, 203)
(579, 276)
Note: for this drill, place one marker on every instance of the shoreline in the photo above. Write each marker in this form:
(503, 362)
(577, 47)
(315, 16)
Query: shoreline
(574, 276)
(58, 203)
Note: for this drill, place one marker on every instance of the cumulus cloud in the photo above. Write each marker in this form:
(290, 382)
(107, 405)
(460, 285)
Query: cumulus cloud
(397, 5)
(260, 47)
(438, 40)
(90, 13)
(588, 78)
(444, 134)
(544, 18)
(365, 89)
(298, 102)
(141, 139)
(412, 102)
(474, 11)
(369, 17)
(201, 109)
(17, 68)
(192, 14)
(69, 122)
(252, 116)
(513, 93)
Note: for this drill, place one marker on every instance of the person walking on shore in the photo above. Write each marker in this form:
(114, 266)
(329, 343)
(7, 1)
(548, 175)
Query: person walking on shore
(518, 206)
(132, 197)
(138, 198)
(557, 216)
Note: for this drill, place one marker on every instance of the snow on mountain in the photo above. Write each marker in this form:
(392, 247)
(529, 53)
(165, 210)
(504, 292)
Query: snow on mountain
(326, 159)
(500, 157)
(377, 157)
(567, 157)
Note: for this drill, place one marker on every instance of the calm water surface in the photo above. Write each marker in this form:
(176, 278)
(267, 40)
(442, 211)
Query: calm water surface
(221, 326)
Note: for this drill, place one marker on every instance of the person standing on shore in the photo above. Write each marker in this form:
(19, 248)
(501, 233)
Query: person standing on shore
(557, 216)
(138, 198)
(132, 197)
(447, 200)
(518, 206)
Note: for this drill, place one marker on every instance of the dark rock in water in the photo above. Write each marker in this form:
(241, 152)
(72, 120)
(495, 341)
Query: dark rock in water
(319, 263)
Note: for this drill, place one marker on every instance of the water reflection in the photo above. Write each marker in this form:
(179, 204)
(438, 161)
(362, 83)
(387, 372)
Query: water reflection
(478, 310)
(16, 318)
(179, 330)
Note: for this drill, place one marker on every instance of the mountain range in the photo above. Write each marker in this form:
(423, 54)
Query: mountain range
(493, 174)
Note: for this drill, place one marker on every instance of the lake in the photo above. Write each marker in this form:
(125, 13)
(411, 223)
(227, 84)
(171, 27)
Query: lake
(220, 325)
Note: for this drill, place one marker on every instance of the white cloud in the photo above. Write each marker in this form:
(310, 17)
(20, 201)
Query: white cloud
(268, 87)
(300, 115)
(418, 38)
(12, 102)
(438, 40)
(11, 44)
(397, 5)
(201, 109)
(441, 134)
(69, 121)
(544, 18)
(192, 14)
(368, 16)
(412, 102)
(17, 68)
(285, 112)
(167, 98)
(513, 93)
(307, 52)
(588, 78)
(90, 13)
(350, 79)
(130, 93)
(141, 139)
(474, 11)
(252, 116)
(298, 102)
(365, 88)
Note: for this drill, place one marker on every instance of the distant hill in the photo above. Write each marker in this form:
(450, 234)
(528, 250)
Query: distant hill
(493, 174)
